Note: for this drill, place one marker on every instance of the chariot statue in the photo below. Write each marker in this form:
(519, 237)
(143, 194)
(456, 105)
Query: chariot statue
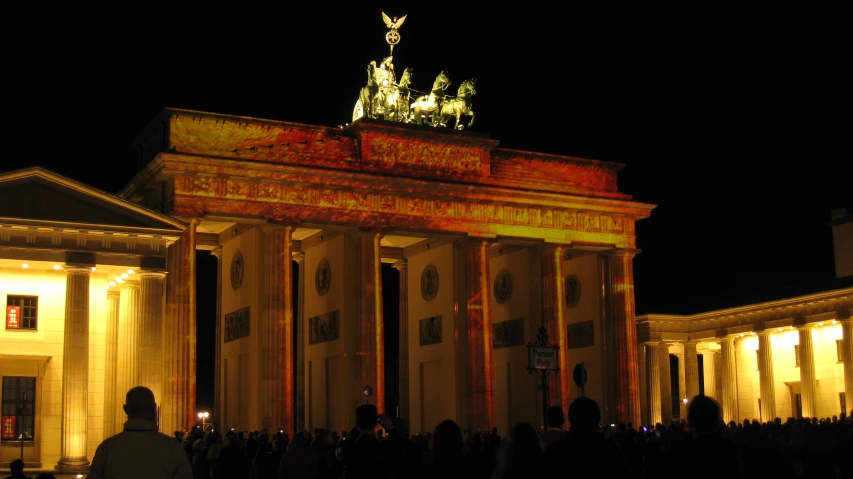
(383, 97)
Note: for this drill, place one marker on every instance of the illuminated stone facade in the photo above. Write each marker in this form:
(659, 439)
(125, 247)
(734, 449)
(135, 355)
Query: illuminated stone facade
(456, 215)
(82, 281)
(787, 358)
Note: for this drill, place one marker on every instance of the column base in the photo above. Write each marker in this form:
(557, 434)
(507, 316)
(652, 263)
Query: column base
(73, 465)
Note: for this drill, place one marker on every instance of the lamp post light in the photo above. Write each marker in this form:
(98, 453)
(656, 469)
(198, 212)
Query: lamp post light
(203, 417)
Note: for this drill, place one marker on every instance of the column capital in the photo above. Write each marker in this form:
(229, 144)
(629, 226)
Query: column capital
(217, 251)
(113, 293)
(623, 252)
(77, 269)
(400, 265)
(299, 257)
(149, 274)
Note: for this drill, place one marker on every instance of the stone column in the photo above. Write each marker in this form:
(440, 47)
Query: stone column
(127, 367)
(481, 394)
(75, 372)
(665, 378)
(621, 339)
(369, 334)
(682, 408)
(149, 343)
(644, 385)
(847, 357)
(654, 389)
(111, 364)
(710, 383)
(691, 370)
(554, 304)
(217, 364)
(718, 377)
(728, 378)
(300, 372)
(402, 267)
(277, 328)
(765, 374)
(807, 374)
(178, 411)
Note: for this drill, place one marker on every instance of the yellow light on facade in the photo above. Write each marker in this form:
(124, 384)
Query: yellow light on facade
(819, 324)
(124, 275)
(112, 283)
(778, 329)
(130, 271)
(106, 286)
(25, 266)
(741, 334)
(684, 400)
(93, 269)
(834, 321)
(790, 327)
(57, 267)
(752, 333)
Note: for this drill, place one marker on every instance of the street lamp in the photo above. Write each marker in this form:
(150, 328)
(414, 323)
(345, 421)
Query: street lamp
(203, 416)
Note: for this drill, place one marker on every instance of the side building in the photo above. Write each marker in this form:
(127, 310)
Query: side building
(787, 358)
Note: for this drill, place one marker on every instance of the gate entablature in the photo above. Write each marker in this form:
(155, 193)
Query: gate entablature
(377, 146)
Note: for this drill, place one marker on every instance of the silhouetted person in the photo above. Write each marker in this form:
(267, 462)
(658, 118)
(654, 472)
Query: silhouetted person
(362, 454)
(555, 431)
(448, 460)
(45, 475)
(585, 452)
(708, 454)
(17, 469)
(140, 451)
(522, 456)
(231, 460)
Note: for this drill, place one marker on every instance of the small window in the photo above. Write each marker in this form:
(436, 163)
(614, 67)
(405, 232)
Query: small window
(797, 355)
(839, 349)
(19, 406)
(842, 399)
(21, 312)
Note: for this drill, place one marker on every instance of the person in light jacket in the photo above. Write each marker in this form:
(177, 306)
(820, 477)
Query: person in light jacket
(140, 451)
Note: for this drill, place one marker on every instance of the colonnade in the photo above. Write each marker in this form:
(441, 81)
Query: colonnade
(720, 372)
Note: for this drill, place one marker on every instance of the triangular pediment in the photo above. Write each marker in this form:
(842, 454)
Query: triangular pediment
(36, 195)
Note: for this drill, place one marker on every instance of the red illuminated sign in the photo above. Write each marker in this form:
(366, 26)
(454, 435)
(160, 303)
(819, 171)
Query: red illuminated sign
(13, 317)
(8, 427)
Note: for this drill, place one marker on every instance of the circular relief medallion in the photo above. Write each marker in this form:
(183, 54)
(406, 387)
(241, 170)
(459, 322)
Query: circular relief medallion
(573, 290)
(503, 286)
(429, 282)
(237, 267)
(323, 277)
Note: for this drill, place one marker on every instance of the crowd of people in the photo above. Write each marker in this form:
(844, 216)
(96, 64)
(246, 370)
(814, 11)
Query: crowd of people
(378, 447)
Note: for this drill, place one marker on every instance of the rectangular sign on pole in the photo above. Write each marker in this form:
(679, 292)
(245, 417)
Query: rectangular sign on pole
(543, 357)
(13, 317)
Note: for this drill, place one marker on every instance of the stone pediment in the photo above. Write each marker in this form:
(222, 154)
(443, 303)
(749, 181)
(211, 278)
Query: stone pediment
(38, 196)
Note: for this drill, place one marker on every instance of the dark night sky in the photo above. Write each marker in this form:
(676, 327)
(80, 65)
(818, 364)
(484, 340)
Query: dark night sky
(738, 131)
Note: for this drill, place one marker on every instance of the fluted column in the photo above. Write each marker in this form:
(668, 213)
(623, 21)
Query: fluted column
(709, 375)
(277, 327)
(644, 384)
(691, 370)
(665, 378)
(127, 367)
(402, 267)
(217, 364)
(807, 374)
(178, 411)
(370, 332)
(765, 374)
(75, 371)
(111, 364)
(621, 339)
(481, 394)
(847, 357)
(150, 333)
(300, 345)
(728, 377)
(682, 408)
(653, 375)
(553, 300)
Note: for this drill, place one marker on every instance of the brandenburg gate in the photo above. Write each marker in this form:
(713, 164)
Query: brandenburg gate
(491, 244)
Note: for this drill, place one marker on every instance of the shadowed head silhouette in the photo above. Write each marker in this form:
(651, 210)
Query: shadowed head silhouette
(140, 404)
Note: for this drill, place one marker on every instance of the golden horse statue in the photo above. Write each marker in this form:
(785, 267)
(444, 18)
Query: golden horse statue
(396, 106)
(459, 106)
(427, 105)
